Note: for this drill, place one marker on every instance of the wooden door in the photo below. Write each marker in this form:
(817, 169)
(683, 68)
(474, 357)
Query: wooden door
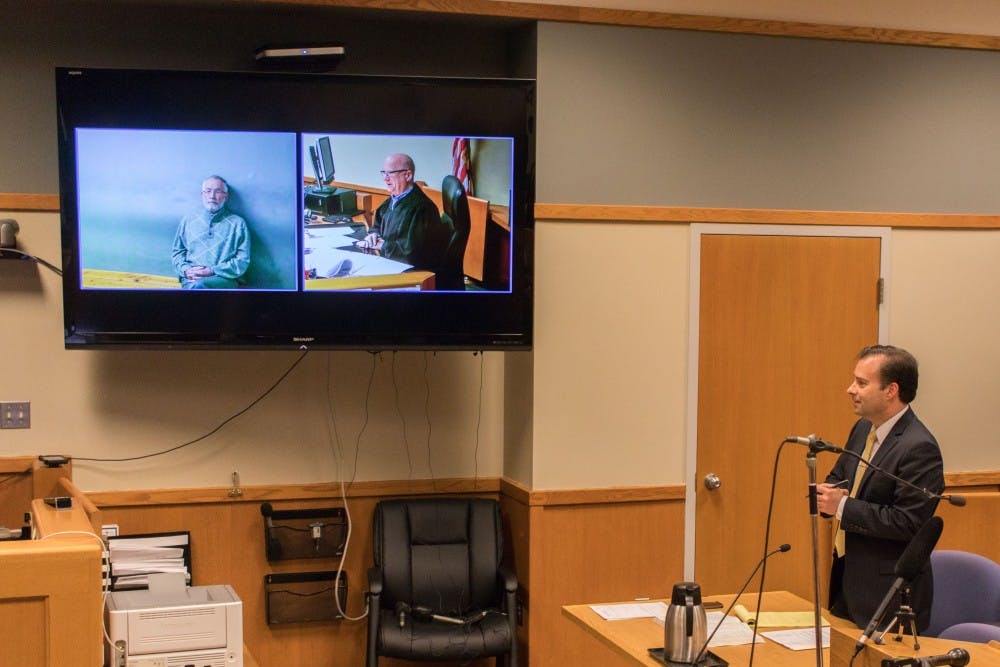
(782, 319)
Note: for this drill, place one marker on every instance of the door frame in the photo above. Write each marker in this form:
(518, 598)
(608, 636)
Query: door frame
(694, 328)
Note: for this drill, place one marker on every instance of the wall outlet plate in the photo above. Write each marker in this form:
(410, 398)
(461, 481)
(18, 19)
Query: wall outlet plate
(15, 414)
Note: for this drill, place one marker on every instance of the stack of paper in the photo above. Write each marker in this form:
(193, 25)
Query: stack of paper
(134, 558)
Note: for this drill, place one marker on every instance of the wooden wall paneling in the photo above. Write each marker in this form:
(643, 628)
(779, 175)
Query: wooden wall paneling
(973, 527)
(599, 552)
(227, 547)
(571, 546)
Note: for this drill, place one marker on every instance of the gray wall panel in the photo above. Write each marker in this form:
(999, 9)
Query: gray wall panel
(674, 118)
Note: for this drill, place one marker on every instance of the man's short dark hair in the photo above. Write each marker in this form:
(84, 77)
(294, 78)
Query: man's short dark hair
(898, 366)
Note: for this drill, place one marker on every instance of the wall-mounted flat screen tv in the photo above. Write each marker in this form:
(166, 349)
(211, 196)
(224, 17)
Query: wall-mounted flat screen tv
(236, 210)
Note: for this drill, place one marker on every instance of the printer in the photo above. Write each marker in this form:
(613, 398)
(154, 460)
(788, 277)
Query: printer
(175, 626)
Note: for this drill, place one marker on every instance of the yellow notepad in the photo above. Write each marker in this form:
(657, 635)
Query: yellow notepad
(777, 619)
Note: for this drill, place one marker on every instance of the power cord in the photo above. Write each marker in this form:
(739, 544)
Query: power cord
(37, 260)
(767, 537)
(211, 432)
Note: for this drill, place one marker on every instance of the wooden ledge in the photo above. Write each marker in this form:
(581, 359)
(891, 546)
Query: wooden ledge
(530, 11)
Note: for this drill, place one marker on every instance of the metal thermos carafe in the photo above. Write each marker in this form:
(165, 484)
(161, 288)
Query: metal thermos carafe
(685, 625)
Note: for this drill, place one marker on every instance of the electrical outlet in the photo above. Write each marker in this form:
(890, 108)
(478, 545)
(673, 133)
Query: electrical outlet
(15, 414)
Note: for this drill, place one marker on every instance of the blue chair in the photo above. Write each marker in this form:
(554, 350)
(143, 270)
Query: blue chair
(966, 590)
(972, 632)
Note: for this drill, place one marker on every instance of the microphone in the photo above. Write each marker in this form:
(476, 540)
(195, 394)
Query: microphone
(782, 549)
(815, 444)
(909, 565)
(956, 657)
(954, 499)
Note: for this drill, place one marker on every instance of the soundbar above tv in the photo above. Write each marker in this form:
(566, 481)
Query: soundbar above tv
(201, 210)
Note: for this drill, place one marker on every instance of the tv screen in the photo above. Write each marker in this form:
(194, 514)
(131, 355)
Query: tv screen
(294, 211)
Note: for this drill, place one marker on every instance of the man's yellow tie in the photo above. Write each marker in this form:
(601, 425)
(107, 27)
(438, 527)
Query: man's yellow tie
(840, 542)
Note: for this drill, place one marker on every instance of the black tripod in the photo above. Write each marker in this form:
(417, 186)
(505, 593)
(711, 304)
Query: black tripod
(904, 616)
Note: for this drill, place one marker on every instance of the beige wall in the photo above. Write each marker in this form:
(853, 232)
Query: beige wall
(610, 361)
(600, 402)
(942, 305)
(610, 354)
(105, 404)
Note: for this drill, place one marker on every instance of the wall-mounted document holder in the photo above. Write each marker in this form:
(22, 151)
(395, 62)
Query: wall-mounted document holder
(299, 597)
(304, 533)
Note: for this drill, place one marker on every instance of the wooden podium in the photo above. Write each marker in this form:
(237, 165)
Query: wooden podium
(50, 592)
(842, 643)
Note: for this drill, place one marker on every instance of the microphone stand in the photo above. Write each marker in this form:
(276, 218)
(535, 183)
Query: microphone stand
(904, 616)
(814, 518)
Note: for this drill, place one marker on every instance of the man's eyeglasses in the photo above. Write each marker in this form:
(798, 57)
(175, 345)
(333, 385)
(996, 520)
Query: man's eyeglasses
(213, 192)
(389, 173)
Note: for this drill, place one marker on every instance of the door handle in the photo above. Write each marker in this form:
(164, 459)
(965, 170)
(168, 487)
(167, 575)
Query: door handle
(712, 481)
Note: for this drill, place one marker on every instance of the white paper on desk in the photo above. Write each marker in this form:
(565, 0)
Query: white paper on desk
(620, 612)
(733, 631)
(799, 638)
(334, 263)
(328, 235)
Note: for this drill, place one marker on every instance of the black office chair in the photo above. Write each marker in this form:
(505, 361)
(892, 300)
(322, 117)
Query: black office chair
(455, 205)
(439, 589)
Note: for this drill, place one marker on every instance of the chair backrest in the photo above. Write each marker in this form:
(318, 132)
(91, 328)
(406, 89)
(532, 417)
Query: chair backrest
(983, 633)
(439, 553)
(966, 590)
(455, 210)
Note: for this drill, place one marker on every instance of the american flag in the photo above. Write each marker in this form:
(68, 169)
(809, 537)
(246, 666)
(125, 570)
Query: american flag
(461, 167)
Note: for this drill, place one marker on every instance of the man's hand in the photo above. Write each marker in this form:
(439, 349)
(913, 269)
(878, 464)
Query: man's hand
(828, 497)
(195, 272)
(372, 241)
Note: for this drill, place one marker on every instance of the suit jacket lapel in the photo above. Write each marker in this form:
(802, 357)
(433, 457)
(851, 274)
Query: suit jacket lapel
(885, 448)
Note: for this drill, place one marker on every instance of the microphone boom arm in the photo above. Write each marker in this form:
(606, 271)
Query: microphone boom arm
(816, 445)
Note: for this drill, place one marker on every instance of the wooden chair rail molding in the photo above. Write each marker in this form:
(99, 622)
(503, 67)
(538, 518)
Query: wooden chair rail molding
(671, 214)
(268, 493)
(624, 17)
(682, 214)
(983, 480)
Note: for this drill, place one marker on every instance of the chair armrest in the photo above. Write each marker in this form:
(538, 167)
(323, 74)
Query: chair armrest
(508, 578)
(374, 612)
(374, 581)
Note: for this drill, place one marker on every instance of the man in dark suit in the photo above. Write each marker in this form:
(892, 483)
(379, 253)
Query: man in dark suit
(878, 515)
(407, 226)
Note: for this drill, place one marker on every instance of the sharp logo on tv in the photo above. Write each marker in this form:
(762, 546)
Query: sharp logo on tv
(244, 210)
